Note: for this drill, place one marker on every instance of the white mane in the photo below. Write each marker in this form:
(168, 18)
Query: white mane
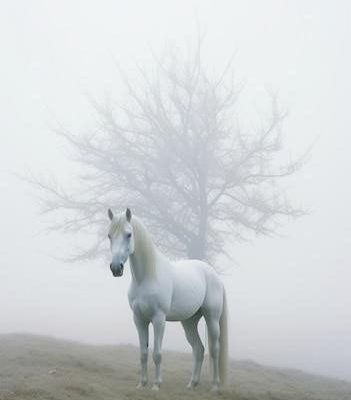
(144, 248)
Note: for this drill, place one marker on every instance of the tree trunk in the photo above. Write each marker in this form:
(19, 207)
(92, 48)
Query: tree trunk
(197, 248)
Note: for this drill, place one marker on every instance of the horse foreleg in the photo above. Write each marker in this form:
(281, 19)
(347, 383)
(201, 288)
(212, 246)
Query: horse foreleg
(159, 322)
(143, 333)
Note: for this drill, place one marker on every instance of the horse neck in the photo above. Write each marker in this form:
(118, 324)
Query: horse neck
(142, 261)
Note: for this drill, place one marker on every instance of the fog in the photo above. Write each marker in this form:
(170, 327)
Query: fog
(289, 295)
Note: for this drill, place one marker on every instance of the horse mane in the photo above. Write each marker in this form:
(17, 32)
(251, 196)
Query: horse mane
(144, 247)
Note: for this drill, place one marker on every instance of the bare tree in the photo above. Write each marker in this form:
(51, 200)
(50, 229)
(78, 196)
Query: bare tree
(174, 153)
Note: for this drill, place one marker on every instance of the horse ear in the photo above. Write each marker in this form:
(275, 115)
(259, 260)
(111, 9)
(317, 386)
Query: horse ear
(128, 214)
(110, 214)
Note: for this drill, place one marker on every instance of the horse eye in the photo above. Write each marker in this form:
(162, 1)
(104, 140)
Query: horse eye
(129, 235)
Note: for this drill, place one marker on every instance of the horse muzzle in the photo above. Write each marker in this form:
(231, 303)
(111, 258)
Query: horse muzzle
(117, 270)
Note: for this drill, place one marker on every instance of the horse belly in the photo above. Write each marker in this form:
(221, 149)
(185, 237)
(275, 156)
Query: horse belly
(189, 291)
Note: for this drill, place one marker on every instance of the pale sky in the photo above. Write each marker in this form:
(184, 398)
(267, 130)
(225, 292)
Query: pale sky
(289, 296)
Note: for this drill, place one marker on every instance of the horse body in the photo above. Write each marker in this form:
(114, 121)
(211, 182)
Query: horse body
(163, 291)
(179, 289)
(189, 289)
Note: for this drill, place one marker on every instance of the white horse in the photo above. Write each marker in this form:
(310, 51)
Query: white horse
(162, 291)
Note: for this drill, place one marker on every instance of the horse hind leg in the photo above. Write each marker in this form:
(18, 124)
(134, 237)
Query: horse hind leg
(213, 328)
(193, 337)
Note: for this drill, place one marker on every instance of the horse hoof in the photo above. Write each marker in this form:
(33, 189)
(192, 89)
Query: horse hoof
(215, 388)
(141, 385)
(192, 385)
(155, 387)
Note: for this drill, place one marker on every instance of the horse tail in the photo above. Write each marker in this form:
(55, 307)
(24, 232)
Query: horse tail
(223, 342)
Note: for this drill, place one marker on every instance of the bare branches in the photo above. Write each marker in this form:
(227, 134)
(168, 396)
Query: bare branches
(173, 152)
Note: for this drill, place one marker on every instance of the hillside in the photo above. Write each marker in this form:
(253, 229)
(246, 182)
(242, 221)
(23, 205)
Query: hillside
(35, 367)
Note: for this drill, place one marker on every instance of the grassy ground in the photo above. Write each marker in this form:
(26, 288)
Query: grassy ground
(34, 367)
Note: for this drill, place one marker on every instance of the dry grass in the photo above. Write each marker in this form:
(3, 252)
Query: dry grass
(33, 367)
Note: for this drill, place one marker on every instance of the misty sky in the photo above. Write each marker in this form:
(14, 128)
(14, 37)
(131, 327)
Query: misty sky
(289, 296)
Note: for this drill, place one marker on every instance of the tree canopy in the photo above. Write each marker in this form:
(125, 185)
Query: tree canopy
(173, 151)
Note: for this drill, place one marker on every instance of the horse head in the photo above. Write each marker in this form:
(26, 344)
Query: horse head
(121, 238)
